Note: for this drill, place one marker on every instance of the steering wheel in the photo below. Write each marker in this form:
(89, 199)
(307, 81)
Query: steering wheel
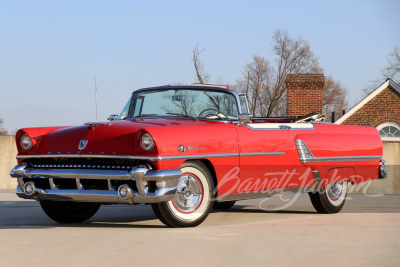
(208, 109)
(213, 114)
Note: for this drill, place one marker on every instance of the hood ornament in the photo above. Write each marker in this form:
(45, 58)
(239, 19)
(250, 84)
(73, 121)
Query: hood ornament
(82, 144)
(93, 125)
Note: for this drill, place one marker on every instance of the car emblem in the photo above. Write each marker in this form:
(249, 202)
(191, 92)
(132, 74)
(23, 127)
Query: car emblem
(82, 144)
(181, 148)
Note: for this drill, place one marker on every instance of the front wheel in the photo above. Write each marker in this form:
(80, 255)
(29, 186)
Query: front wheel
(69, 212)
(331, 198)
(193, 201)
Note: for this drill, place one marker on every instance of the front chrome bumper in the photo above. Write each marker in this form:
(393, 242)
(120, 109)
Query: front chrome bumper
(152, 186)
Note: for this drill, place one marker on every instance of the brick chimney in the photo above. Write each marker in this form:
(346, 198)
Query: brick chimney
(304, 93)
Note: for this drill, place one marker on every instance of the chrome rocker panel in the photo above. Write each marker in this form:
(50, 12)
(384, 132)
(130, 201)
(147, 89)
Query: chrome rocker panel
(166, 180)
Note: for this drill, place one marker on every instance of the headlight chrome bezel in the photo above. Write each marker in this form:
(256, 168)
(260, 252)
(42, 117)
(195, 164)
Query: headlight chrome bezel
(147, 142)
(25, 142)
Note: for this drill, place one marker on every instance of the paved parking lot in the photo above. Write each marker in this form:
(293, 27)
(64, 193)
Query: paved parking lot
(253, 233)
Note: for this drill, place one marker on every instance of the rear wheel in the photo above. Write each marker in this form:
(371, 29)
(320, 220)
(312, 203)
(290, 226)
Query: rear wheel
(69, 212)
(331, 199)
(193, 200)
(223, 205)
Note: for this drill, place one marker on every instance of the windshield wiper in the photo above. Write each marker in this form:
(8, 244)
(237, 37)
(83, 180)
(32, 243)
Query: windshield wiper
(182, 115)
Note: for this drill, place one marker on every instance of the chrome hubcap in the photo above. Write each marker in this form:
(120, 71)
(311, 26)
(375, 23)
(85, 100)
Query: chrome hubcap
(334, 190)
(189, 194)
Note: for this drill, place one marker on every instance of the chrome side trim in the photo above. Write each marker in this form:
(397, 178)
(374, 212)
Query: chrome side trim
(161, 158)
(200, 156)
(335, 159)
(306, 156)
(261, 154)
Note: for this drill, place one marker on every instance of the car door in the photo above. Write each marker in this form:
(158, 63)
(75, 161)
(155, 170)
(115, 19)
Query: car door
(268, 158)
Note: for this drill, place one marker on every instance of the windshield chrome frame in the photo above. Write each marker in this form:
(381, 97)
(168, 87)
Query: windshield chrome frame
(194, 88)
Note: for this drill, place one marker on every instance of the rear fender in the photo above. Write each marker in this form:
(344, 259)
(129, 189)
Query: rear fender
(339, 174)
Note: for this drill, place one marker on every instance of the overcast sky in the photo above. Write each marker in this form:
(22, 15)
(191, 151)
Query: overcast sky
(50, 51)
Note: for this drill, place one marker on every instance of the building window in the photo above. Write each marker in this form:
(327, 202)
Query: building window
(389, 131)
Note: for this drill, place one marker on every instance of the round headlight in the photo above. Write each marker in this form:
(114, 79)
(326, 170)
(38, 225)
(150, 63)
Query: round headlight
(26, 142)
(147, 142)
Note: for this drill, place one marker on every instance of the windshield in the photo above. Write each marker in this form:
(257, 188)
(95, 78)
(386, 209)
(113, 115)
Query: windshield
(207, 104)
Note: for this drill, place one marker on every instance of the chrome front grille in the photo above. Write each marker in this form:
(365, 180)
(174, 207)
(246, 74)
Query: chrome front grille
(82, 163)
(79, 166)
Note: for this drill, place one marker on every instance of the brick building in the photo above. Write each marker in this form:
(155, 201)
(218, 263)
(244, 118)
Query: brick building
(379, 109)
(305, 93)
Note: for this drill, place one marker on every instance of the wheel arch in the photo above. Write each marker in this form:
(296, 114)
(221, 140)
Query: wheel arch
(340, 174)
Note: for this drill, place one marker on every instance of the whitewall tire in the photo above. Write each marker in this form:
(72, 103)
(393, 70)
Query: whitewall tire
(193, 200)
(331, 198)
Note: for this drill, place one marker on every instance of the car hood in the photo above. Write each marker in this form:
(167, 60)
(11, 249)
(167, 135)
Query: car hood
(109, 138)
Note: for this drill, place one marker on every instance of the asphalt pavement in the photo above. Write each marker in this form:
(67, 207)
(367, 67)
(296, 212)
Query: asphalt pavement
(279, 231)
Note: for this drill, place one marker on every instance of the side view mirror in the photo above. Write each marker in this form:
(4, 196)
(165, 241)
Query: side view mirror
(112, 117)
(244, 118)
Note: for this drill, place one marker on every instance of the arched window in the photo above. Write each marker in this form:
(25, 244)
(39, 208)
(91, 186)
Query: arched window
(389, 131)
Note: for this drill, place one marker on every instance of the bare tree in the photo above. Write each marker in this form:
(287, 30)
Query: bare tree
(256, 84)
(392, 70)
(334, 99)
(3, 130)
(371, 87)
(264, 84)
(201, 75)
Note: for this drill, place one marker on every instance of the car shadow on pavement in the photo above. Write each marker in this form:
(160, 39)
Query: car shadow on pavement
(93, 224)
(79, 225)
(29, 215)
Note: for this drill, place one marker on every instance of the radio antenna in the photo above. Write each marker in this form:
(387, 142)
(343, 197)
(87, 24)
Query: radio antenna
(95, 94)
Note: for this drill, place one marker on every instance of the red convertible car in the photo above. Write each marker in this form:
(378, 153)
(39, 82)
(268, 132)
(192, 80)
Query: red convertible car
(186, 150)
